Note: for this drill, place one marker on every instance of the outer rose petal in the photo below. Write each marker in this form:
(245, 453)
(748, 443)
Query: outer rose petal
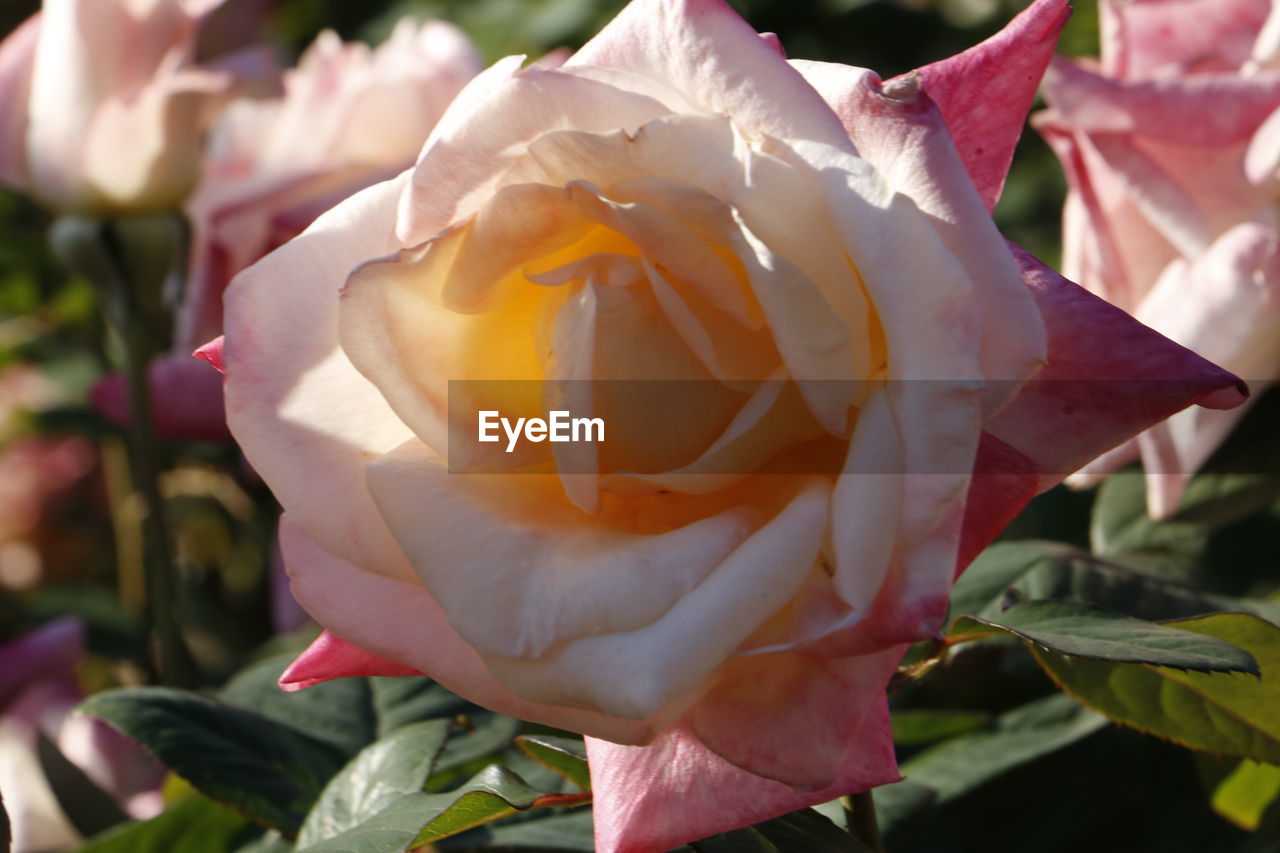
(1227, 108)
(901, 132)
(399, 621)
(329, 657)
(649, 799)
(1090, 398)
(707, 52)
(984, 93)
(1233, 285)
(302, 414)
(1144, 40)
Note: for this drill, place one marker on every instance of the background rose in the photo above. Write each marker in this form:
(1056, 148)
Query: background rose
(349, 116)
(37, 694)
(680, 202)
(101, 105)
(1161, 219)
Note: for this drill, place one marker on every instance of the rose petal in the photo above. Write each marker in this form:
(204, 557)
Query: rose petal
(1145, 40)
(302, 414)
(1227, 108)
(650, 799)
(398, 621)
(899, 130)
(984, 93)
(1108, 377)
(708, 53)
(329, 657)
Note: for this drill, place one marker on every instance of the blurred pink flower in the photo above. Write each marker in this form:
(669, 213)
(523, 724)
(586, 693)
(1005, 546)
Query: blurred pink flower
(350, 116)
(38, 693)
(102, 108)
(1161, 218)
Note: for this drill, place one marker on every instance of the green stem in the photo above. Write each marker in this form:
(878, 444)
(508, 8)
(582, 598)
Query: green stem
(860, 812)
(160, 577)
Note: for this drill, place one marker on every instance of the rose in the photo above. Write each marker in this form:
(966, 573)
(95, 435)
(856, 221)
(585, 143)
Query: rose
(707, 598)
(37, 695)
(349, 117)
(101, 107)
(1160, 218)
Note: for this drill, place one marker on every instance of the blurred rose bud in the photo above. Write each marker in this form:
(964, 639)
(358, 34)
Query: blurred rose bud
(1161, 218)
(350, 116)
(40, 734)
(102, 109)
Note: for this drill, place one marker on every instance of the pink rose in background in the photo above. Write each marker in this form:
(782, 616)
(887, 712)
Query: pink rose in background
(1161, 218)
(101, 106)
(350, 116)
(876, 382)
(38, 693)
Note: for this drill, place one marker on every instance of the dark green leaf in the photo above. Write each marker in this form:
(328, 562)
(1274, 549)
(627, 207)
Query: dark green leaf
(495, 792)
(804, 831)
(566, 756)
(1084, 631)
(270, 772)
(963, 763)
(90, 809)
(544, 831)
(1032, 569)
(411, 820)
(1225, 713)
(192, 825)
(398, 764)
(349, 713)
(912, 728)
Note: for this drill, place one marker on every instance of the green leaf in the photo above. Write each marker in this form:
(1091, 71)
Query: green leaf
(485, 735)
(1249, 794)
(1121, 525)
(270, 772)
(804, 831)
(494, 793)
(1084, 631)
(1225, 713)
(1028, 570)
(566, 756)
(912, 728)
(192, 825)
(412, 820)
(349, 713)
(547, 830)
(963, 763)
(397, 764)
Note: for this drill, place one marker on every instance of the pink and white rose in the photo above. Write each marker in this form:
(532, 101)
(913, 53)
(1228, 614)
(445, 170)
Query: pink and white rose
(718, 597)
(102, 108)
(1162, 217)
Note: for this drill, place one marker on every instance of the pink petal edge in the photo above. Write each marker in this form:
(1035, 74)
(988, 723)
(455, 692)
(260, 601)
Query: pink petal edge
(329, 657)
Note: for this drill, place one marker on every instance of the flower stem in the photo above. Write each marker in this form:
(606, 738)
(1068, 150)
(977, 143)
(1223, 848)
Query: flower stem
(860, 812)
(159, 567)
